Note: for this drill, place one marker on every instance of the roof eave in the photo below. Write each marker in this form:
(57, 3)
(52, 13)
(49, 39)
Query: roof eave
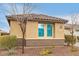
(36, 19)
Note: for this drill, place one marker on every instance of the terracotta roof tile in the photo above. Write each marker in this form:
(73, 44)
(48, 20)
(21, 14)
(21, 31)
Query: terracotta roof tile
(39, 17)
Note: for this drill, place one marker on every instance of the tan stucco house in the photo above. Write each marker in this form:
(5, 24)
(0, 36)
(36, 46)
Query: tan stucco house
(40, 29)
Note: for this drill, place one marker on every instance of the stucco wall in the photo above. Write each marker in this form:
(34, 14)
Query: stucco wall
(15, 29)
(59, 30)
(32, 30)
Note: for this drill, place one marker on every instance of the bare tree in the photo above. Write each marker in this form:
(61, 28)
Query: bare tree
(74, 21)
(27, 8)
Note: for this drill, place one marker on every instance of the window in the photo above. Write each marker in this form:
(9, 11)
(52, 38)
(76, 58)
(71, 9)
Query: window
(49, 29)
(40, 30)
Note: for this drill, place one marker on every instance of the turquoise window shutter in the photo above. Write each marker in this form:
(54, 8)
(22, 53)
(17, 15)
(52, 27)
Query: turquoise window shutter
(40, 30)
(49, 30)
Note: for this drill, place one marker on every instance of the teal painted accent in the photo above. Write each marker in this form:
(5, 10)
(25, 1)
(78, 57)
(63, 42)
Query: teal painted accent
(49, 30)
(40, 30)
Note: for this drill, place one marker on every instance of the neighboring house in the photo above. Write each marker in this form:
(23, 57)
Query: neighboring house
(0, 32)
(68, 29)
(3, 33)
(40, 29)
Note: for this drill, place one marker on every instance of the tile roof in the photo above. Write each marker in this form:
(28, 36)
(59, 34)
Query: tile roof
(39, 17)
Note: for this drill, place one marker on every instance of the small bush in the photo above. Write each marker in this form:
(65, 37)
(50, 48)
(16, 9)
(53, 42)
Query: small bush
(73, 49)
(69, 40)
(8, 42)
(45, 52)
(53, 46)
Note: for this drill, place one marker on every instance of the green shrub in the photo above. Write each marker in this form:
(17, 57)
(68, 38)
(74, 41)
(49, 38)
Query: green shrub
(45, 52)
(69, 40)
(53, 46)
(7, 42)
(73, 49)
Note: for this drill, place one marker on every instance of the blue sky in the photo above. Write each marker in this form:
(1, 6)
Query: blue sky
(52, 9)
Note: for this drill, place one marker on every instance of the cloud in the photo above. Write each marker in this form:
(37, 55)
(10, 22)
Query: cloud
(70, 17)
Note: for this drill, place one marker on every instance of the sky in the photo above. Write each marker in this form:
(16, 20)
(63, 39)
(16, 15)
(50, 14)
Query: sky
(52, 9)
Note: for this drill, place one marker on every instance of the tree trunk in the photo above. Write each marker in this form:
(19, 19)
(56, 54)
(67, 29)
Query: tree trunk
(72, 38)
(23, 44)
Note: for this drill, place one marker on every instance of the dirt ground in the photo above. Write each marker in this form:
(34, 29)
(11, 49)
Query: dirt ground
(35, 51)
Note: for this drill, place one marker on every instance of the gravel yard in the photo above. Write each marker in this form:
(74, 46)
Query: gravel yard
(35, 51)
